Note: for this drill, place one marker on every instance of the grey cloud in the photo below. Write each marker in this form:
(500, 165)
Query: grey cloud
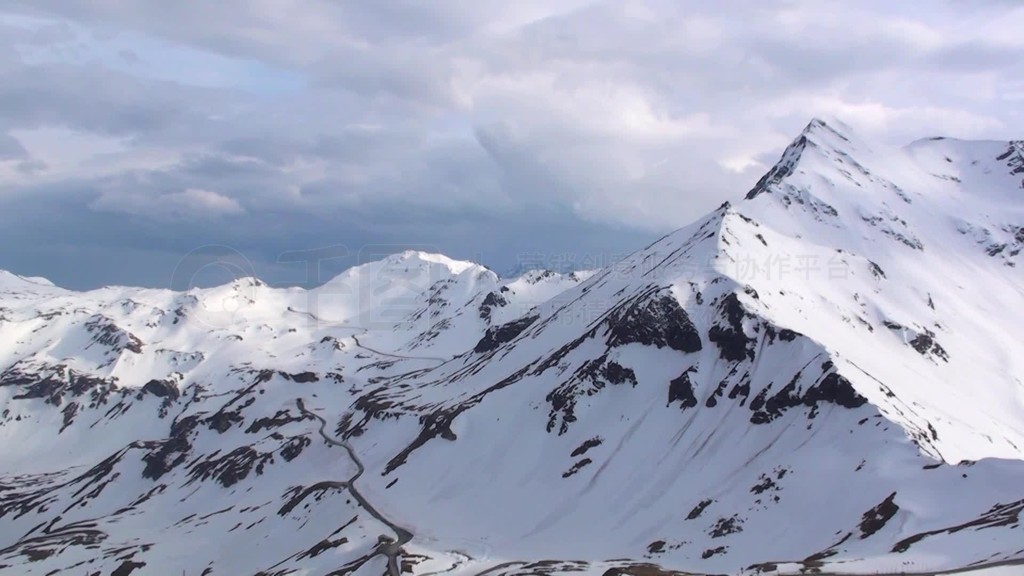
(10, 148)
(95, 100)
(135, 249)
(487, 129)
(977, 56)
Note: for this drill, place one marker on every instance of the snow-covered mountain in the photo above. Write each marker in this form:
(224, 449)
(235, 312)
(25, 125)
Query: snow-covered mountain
(824, 375)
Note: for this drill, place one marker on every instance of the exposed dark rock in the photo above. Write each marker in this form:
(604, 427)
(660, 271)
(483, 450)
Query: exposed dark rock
(105, 332)
(783, 400)
(733, 343)
(907, 240)
(832, 389)
(653, 320)
(281, 418)
(322, 546)
(299, 494)
(699, 509)
(718, 392)
(741, 390)
(127, 567)
(615, 373)
(165, 455)
(494, 299)
(498, 335)
(759, 401)
(293, 447)
(925, 344)
(588, 380)
(82, 488)
(53, 383)
(162, 389)
(432, 426)
(587, 445)
(491, 301)
(765, 483)
(374, 405)
(577, 467)
(814, 560)
(835, 389)
(231, 412)
(224, 420)
(876, 270)
(710, 552)
(231, 468)
(726, 526)
(69, 413)
(874, 519)
(682, 389)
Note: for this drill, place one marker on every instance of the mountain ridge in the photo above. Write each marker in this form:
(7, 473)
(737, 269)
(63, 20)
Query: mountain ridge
(806, 375)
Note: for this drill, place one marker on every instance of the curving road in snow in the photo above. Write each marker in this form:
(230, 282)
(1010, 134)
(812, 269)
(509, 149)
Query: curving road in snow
(355, 337)
(361, 331)
(389, 548)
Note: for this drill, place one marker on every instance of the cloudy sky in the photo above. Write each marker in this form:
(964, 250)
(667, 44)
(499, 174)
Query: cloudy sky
(136, 132)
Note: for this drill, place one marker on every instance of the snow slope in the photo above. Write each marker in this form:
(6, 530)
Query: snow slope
(824, 375)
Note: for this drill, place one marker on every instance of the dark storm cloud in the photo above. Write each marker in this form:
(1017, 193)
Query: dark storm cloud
(134, 132)
(108, 241)
(94, 99)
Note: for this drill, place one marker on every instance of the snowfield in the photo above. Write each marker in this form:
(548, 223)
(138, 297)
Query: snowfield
(824, 376)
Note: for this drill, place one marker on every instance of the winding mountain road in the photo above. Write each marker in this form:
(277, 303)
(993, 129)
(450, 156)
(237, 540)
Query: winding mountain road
(361, 331)
(388, 547)
(355, 337)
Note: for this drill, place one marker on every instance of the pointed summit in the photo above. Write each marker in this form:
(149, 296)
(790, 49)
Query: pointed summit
(833, 135)
(834, 138)
(833, 126)
(784, 167)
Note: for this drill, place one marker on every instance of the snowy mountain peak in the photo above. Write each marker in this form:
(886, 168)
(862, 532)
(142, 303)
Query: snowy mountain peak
(820, 145)
(797, 382)
(830, 132)
(11, 282)
(412, 271)
(417, 257)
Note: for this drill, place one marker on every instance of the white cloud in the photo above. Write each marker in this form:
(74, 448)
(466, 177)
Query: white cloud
(193, 203)
(197, 201)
